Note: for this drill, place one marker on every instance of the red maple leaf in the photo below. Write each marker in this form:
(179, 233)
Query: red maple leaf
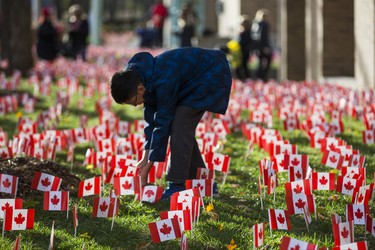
(27, 130)
(296, 247)
(281, 219)
(348, 186)
(79, 134)
(323, 180)
(300, 204)
(298, 189)
(369, 136)
(103, 207)
(217, 161)
(6, 183)
(282, 163)
(88, 186)
(149, 193)
(333, 159)
(127, 185)
(199, 186)
(6, 206)
(347, 157)
(260, 234)
(295, 162)
(332, 147)
(345, 233)
(298, 175)
(38, 155)
(131, 173)
(204, 176)
(100, 134)
(360, 198)
(45, 182)
(101, 159)
(55, 200)
(358, 214)
(165, 229)
(4, 155)
(121, 163)
(19, 219)
(286, 152)
(355, 162)
(1, 138)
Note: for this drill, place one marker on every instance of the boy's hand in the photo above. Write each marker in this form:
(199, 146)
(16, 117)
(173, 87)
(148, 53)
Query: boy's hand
(145, 167)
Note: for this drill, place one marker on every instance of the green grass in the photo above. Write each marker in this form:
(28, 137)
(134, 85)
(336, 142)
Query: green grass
(236, 210)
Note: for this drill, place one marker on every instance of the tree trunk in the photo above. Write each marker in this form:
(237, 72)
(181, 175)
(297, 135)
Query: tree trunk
(16, 35)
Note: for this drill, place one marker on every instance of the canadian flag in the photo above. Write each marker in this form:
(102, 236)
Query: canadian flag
(217, 161)
(279, 163)
(151, 194)
(8, 184)
(127, 185)
(201, 129)
(205, 186)
(279, 219)
(210, 139)
(164, 230)
(316, 139)
(298, 187)
(139, 125)
(123, 128)
(297, 160)
(362, 245)
(184, 217)
(180, 202)
(205, 173)
(56, 200)
(295, 173)
(357, 213)
(291, 124)
(3, 139)
(45, 182)
(347, 185)
(343, 233)
(296, 203)
(105, 207)
(332, 159)
(323, 181)
(78, 135)
(9, 204)
(6, 152)
(220, 127)
(336, 127)
(370, 225)
(18, 219)
(89, 187)
(101, 132)
(107, 145)
(357, 160)
(272, 184)
(362, 195)
(286, 149)
(353, 172)
(258, 234)
(288, 243)
(368, 136)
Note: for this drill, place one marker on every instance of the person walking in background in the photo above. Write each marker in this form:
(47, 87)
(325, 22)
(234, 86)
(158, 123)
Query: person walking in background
(187, 22)
(261, 44)
(245, 43)
(158, 15)
(48, 37)
(176, 88)
(78, 31)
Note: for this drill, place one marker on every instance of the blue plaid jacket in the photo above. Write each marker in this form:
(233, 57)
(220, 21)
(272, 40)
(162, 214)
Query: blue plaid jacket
(193, 77)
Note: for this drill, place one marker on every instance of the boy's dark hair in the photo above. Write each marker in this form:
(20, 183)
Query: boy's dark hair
(124, 85)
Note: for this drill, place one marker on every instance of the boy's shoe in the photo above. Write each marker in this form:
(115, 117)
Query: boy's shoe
(173, 188)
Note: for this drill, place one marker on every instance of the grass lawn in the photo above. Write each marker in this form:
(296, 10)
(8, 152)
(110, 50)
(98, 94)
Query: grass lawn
(235, 211)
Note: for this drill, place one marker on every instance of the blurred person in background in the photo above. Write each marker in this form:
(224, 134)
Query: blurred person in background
(261, 44)
(158, 15)
(245, 43)
(48, 37)
(187, 22)
(78, 31)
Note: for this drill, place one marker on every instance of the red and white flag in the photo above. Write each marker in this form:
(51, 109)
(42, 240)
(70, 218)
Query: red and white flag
(45, 182)
(89, 187)
(343, 233)
(17, 243)
(9, 204)
(332, 159)
(362, 245)
(151, 193)
(56, 201)
(184, 242)
(205, 186)
(205, 173)
(298, 187)
(127, 185)
(368, 136)
(258, 234)
(323, 181)
(347, 185)
(8, 184)
(296, 203)
(370, 225)
(295, 173)
(184, 217)
(357, 160)
(297, 160)
(362, 195)
(357, 213)
(18, 219)
(164, 230)
(218, 162)
(105, 207)
(279, 219)
(272, 184)
(288, 243)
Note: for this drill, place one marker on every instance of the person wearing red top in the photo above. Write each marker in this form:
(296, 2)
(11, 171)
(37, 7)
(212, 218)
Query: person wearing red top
(158, 14)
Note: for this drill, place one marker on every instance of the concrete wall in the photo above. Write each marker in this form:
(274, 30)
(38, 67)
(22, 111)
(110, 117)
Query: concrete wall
(364, 24)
